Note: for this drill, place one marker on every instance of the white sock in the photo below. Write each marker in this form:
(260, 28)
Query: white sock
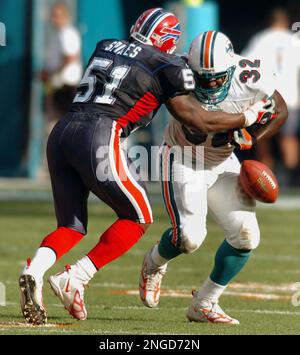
(210, 291)
(157, 258)
(85, 270)
(43, 260)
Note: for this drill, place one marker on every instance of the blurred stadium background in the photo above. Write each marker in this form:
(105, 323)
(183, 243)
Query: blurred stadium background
(23, 122)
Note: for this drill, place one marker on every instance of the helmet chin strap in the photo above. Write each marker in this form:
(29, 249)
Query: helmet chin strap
(141, 39)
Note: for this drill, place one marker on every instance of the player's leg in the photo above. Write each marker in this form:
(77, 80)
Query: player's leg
(125, 192)
(235, 213)
(111, 178)
(70, 198)
(184, 193)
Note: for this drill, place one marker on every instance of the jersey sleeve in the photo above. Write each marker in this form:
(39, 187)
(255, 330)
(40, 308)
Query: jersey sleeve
(267, 83)
(176, 80)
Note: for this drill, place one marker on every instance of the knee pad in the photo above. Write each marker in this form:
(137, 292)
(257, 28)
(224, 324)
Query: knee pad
(248, 237)
(191, 238)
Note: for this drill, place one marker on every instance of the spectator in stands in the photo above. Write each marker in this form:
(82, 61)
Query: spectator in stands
(63, 69)
(276, 46)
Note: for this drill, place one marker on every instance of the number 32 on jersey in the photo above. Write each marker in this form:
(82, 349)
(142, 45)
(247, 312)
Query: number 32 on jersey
(251, 73)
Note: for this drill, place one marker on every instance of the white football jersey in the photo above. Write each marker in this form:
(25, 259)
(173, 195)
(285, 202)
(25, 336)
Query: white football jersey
(280, 48)
(252, 81)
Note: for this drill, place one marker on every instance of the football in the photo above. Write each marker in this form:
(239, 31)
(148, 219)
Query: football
(259, 182)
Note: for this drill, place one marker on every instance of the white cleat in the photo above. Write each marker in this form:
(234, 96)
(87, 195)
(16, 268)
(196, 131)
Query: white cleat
(70, 290)
(205, 311)
(31, 299)
(150, 281)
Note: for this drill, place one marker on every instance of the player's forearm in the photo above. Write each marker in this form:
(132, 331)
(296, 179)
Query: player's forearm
(221, 121)
(189, 112)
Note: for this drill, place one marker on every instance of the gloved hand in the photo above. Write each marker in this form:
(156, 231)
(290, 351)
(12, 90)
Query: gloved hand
(261, 112)
(243, 140)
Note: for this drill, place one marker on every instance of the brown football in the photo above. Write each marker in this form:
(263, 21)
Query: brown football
(259, 182)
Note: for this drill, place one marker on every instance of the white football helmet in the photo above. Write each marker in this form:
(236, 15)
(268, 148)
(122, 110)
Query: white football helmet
(211, 57)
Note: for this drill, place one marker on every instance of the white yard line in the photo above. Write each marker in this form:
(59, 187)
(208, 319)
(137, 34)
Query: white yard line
(144, 309)
(265, 311)
(9, 325)
(185, 294)
(262, 286)
(252, 286)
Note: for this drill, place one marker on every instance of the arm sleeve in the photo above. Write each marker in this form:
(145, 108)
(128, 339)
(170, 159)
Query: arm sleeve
(176, 80)
(267, 84)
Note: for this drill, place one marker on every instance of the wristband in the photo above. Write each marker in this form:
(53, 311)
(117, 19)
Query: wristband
(250, 118)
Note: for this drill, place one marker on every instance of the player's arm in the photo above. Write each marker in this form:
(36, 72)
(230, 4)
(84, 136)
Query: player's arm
(246, 139)
(187, 110)
(272, 127)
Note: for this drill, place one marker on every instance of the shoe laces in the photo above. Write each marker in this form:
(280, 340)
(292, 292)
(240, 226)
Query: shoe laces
(81, 286)
(217, 309)
(154, 276)
(213, 307)
(152, 281)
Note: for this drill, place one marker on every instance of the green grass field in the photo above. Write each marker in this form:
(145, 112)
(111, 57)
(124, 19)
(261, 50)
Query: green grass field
(260, 297)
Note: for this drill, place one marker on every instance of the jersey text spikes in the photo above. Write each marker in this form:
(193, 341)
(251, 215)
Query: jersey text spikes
(117, 47)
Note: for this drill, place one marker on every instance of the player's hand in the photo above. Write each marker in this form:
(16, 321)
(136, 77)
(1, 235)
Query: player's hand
(261, 112)
(243, 140)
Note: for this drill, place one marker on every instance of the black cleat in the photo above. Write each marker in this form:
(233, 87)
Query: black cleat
(33, 310)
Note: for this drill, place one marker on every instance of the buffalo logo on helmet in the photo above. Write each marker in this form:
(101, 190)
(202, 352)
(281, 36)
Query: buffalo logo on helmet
(173, 32)
(167, 33)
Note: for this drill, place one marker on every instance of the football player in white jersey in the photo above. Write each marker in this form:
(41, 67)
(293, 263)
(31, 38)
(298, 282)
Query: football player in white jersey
(228, 82)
